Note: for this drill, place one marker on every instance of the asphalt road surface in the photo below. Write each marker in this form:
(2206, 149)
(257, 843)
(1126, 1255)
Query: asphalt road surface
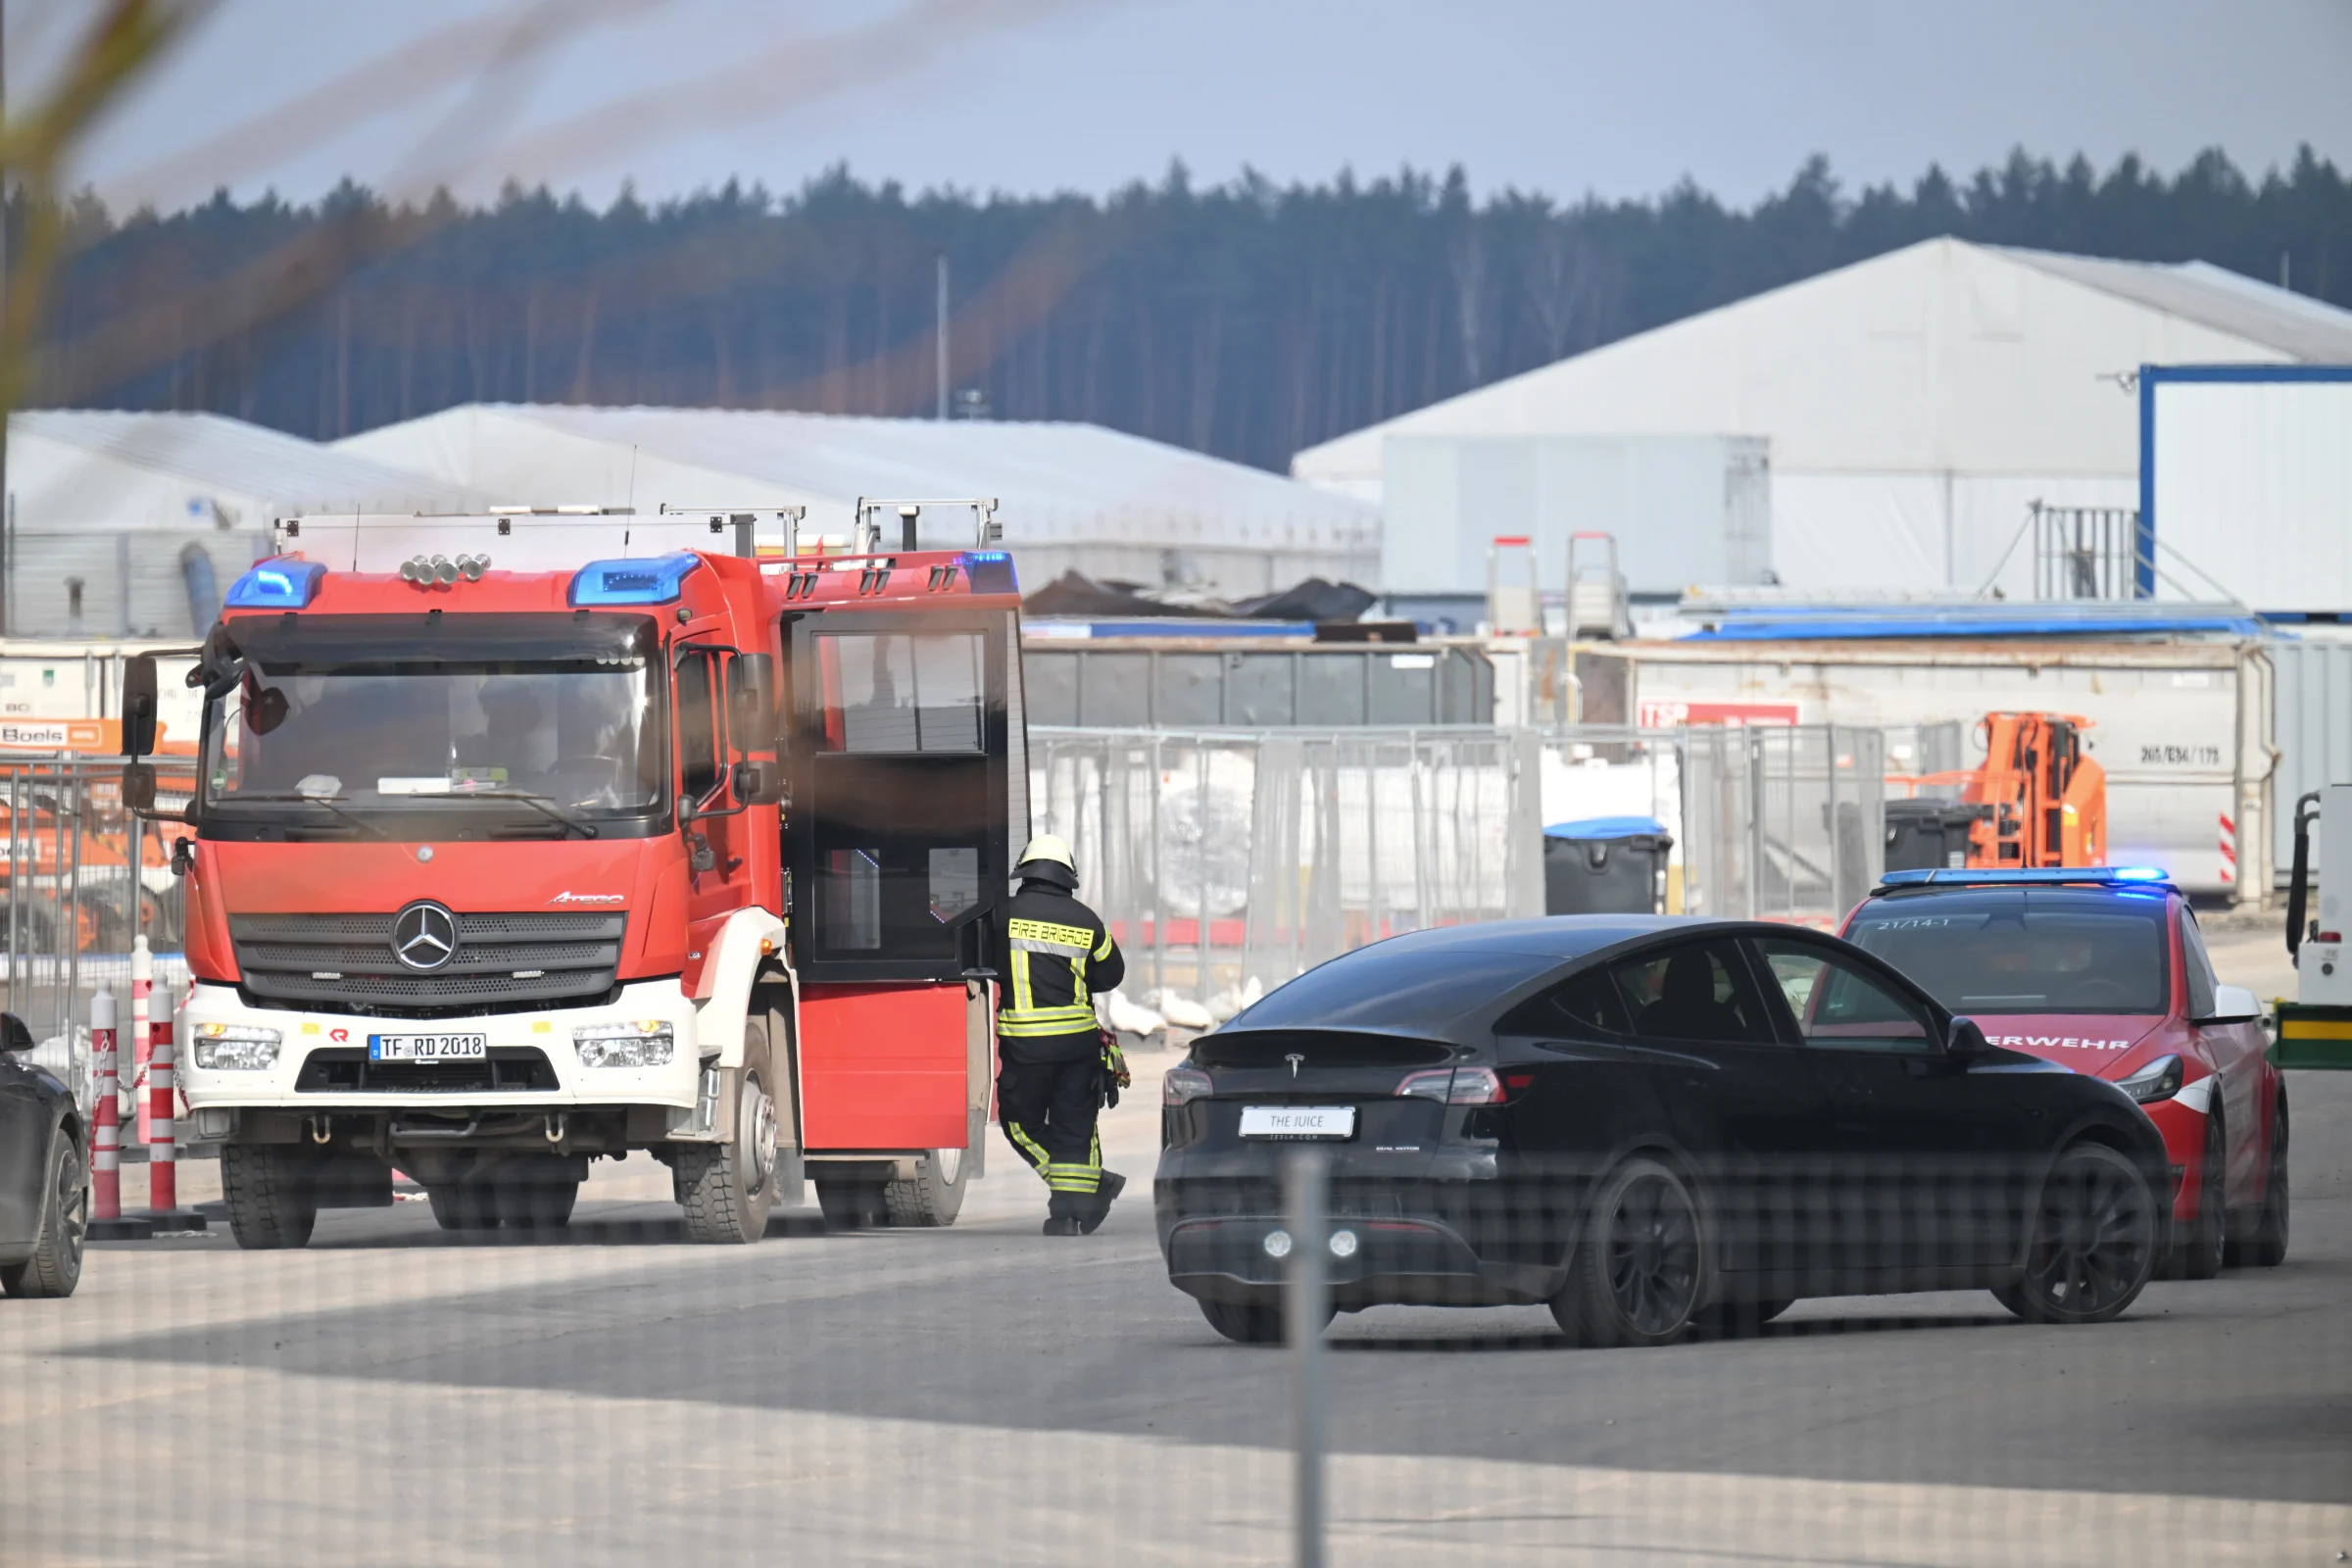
(989, 1395)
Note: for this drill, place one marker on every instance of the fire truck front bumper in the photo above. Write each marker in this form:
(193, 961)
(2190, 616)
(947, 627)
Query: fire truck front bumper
(626, 1075)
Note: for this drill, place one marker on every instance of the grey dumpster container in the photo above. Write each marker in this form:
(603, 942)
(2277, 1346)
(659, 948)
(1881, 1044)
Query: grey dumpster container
(1927, 835)
(1605, 866)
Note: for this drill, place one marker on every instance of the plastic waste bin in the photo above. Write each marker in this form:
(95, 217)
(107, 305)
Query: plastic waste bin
(1927, 835)
(1605, 866)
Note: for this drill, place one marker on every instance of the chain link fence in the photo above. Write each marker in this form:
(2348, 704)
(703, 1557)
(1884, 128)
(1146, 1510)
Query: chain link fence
(1227, 862)
(73, 902)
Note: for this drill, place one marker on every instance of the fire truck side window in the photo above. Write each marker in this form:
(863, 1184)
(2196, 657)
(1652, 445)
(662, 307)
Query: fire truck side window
(902, 692)
(700, 766)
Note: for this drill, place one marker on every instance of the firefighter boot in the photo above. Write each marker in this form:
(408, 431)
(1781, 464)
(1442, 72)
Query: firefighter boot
(1097, 1208)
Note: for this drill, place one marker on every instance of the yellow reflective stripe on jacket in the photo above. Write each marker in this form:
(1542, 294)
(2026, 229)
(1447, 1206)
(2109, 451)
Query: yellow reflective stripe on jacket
(1049, 937)
(1071, 1020)
(1021, 1017)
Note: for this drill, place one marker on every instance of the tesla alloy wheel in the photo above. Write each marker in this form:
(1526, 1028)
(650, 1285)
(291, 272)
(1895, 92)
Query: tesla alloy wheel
(55, 1267)
(1640, 1271)
(2094, 1242)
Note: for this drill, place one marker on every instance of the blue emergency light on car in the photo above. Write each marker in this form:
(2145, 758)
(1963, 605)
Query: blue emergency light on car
(2039, 876)
(655, 580)
(990, 571)
(275, 585)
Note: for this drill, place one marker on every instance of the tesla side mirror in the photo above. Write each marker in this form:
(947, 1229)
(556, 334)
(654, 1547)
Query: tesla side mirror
(139, 704)
(14, 1036)
(138, 787)
(1967, 1041)
(2233, 1004)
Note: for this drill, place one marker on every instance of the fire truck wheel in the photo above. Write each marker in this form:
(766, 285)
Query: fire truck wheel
(727, 1188)
(853, 1205)
(464, 1207)
(535, 1194)
(935, 1194)
(271, 1199)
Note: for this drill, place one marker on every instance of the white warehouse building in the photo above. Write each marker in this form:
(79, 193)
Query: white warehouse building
(1912, 406)
(1071, 496)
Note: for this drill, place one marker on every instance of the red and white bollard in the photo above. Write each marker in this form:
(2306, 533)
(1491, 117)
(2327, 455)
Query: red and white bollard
(162, 1152)
(106, 1131)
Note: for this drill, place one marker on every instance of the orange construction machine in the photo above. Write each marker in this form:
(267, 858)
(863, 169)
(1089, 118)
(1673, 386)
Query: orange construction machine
(2038, 799)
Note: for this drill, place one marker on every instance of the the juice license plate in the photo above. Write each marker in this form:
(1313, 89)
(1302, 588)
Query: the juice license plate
(428, 1047)
(1298, 1121)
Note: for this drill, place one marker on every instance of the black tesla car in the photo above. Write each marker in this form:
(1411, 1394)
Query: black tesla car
(44, 1182)
(1647, 1122)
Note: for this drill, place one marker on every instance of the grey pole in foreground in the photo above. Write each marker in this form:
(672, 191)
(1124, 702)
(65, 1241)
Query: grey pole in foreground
(1306, 1177)
(943, 334)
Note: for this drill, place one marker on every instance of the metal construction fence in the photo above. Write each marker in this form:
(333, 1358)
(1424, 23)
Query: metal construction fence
(1228, 861)
(72, 904)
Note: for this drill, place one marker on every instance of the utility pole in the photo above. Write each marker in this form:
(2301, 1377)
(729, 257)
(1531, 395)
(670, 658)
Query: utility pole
(943, 331)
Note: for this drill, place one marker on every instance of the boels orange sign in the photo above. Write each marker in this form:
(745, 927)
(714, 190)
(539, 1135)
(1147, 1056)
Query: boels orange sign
(100, 736)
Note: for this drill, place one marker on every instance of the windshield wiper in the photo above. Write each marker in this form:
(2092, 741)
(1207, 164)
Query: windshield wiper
(327, 801)
(537, 803)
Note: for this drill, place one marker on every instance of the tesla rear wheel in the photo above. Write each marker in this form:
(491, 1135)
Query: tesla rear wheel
(2094, 1242)
(55, 1266)
(1639, 1270)
(2267, 1246)
(1251, 1323)
(934, 1196)
(272, 1200)
(2202, 1251)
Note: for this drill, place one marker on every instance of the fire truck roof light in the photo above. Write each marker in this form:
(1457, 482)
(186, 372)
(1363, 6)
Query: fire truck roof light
(277, 584)
(2046, 876)
(990, 571)
(652, 580)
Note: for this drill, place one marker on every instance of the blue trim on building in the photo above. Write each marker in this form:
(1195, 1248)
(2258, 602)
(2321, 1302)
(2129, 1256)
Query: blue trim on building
(2035, 621)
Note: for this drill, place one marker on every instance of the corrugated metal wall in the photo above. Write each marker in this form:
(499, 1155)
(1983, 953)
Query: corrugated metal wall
(2314, 733)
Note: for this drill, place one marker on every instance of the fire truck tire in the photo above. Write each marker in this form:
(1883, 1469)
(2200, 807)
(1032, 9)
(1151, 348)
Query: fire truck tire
(272, 1200)
(728, 1189)
(464, 1207)
(535, 1194)
(934, 1196)
(853, 1205)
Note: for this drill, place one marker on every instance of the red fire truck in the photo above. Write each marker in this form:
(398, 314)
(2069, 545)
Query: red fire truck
(530, 839)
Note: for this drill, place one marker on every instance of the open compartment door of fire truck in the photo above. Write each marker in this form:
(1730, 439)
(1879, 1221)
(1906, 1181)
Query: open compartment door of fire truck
(909, 772)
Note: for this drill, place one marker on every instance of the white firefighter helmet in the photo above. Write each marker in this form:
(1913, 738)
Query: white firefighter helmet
(1047, 859)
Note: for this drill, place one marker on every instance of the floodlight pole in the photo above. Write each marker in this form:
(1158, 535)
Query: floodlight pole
(8, 509)
(943, 332)
(1307, 1179)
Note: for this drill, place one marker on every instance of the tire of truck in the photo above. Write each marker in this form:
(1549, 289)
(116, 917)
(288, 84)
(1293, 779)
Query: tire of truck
(271, 1202)
(534, 1194)
(728, 1189)
(934, 1196)
(464, 1207)
(855, 1205)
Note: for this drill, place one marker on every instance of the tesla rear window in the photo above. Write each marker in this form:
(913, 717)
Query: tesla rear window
(2015, 951)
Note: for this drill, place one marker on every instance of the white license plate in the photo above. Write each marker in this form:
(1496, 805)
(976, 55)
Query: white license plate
(428, 1047)
(1298, 1121)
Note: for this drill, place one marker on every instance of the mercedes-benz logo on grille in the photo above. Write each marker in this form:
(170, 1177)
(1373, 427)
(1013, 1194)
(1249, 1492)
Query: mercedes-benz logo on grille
(425, 935)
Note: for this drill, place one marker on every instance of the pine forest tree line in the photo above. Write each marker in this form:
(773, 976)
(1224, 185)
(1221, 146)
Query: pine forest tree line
(1246, 319)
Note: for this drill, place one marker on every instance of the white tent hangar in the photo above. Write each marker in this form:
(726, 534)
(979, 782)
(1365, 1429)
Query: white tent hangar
(1110, 504)
(1913, 404)
(125, 524)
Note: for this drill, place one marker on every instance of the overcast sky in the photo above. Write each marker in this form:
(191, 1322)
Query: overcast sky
(1564, 96)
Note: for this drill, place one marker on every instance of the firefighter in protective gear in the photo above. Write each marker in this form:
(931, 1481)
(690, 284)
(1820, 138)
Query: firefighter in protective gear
(1051, 1072)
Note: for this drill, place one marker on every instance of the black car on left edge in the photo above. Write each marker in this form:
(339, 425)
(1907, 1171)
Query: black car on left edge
(44, 1175)
(1647, 1122)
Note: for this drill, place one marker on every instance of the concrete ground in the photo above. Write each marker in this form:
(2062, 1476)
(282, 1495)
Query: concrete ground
(986, 1394)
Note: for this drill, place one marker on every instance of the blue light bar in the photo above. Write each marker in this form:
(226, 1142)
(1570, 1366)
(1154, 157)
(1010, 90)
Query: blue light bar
(990, 571)
(278, 583)
(2044, 876)
(652, 580)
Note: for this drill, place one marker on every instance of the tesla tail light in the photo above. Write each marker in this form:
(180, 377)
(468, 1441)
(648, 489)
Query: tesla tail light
(1181, 1086)
(1454, 1086)
(2158, 1080)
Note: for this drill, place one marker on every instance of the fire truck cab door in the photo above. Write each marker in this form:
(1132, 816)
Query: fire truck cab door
(908, 776)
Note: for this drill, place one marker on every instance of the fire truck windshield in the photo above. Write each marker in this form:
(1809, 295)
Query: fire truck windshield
(560, 738)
